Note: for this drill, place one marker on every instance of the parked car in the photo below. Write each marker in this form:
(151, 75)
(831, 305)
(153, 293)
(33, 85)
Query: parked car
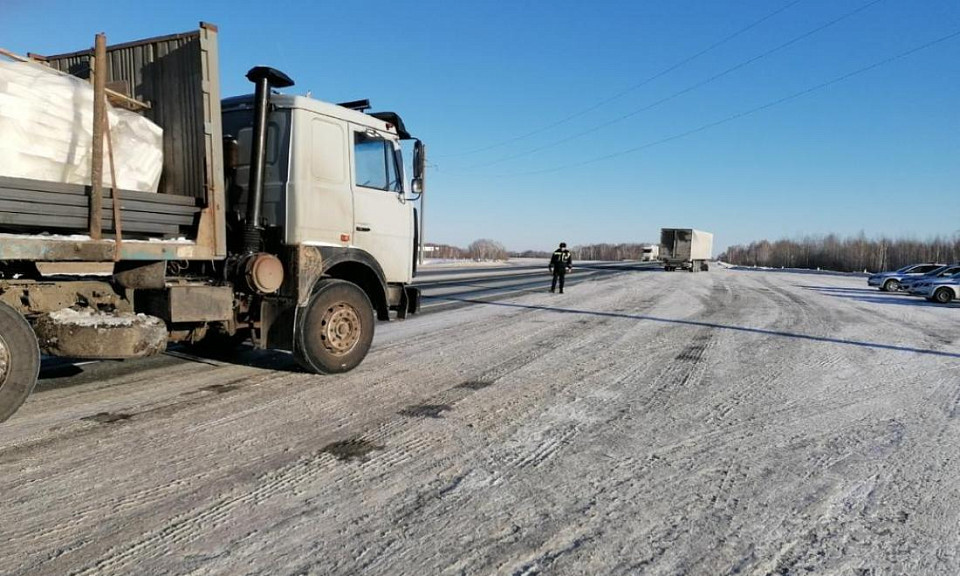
(909, 284)
(941, 290)
(890, 281)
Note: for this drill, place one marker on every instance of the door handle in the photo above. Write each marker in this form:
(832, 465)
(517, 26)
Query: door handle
(363, 228)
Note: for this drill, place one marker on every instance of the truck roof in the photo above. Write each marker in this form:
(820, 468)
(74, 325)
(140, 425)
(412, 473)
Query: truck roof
(325, 108)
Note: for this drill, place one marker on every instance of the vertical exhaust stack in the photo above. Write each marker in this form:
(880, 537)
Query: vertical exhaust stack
(265, 79)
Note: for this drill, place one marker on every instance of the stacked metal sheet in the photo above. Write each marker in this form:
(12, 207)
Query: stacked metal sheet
(32, 205)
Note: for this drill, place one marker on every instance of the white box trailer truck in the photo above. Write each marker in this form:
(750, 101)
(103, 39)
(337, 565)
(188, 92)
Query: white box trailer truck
(685, 249)
(650, 253)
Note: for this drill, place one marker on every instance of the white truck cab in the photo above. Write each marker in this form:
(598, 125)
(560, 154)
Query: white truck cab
(334, 177)
(324, 193)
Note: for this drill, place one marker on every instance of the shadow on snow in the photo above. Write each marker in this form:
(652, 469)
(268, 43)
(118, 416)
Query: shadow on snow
(876, 297)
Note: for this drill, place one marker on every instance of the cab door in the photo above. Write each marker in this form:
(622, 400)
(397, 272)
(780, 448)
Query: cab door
(383, 217)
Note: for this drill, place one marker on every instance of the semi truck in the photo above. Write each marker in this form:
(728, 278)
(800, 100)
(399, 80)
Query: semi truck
(685, 249)
(279, 219)
(650, 253)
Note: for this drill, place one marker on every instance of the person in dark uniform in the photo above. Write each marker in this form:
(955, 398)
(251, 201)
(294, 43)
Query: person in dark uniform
(560, 263)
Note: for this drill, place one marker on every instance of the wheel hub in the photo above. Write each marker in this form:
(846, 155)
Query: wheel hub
(340, 328)
(4, 361)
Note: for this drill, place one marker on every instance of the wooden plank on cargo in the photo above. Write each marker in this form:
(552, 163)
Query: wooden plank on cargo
(99, 121)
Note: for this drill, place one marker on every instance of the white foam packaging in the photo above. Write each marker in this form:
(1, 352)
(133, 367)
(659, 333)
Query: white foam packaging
(46, 131)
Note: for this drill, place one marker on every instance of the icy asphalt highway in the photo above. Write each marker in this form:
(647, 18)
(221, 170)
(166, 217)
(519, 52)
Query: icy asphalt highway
(453, 287)
(731, 422)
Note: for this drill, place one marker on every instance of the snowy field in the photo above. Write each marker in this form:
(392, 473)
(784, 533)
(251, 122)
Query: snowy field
(730, 422)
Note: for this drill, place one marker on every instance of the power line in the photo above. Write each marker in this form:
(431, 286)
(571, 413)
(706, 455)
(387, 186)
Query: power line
(629, 89)
(743, 114)
(679, 93)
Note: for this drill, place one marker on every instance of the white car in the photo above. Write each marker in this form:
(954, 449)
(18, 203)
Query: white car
(941, 290)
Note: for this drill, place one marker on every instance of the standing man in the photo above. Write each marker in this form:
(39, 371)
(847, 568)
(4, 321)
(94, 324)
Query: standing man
(560, 264)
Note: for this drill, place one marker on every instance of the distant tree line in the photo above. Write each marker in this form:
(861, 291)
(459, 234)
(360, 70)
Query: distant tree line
(531, 254)
(483, 249)
(608, 252)
(850, 254)
(486, 249)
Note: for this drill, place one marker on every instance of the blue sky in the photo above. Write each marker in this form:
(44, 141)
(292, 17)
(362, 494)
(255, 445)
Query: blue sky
(879, 152)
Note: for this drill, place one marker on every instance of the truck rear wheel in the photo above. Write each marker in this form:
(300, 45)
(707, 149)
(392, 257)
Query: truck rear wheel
(19, 360)
(334, 332)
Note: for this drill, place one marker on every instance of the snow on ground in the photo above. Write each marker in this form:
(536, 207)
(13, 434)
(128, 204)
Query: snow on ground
(731, 422)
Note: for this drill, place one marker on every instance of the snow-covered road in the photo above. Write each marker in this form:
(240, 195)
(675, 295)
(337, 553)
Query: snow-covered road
(732, 422)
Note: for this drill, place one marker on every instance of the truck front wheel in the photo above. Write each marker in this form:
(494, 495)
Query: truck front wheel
(335, 330)
(19, 360)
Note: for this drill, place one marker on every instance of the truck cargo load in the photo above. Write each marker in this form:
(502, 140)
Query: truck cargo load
(46, 131)
(168, 86)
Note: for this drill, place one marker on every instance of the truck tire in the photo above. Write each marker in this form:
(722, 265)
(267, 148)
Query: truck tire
(943, 295)
(19, 360)
(704, 267)
(891, 285)
(335, 329)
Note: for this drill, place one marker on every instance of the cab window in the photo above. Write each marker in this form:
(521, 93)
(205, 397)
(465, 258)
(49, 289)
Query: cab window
(375, 163)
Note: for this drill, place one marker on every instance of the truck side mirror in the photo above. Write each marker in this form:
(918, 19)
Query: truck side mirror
(419, 160)
(419, 167)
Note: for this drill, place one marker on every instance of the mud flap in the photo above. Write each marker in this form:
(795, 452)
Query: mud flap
(278, 317)
(409, 302)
